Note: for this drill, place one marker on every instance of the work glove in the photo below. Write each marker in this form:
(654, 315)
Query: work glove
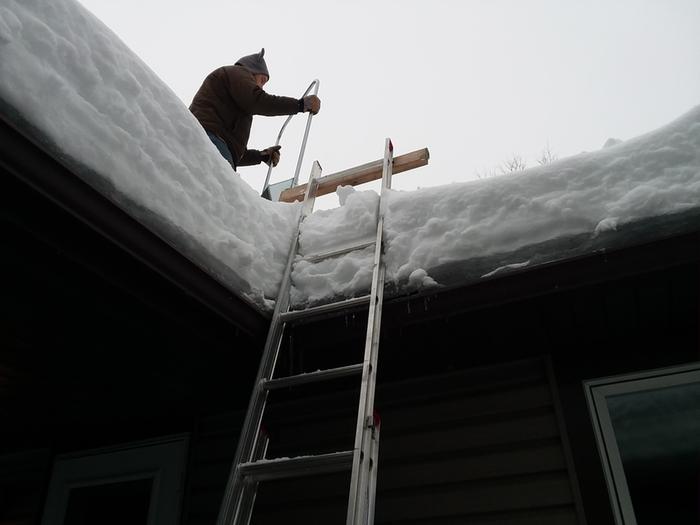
(271, 155)
(312, 103)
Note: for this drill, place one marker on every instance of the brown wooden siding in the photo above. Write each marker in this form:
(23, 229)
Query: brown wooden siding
(478, 446)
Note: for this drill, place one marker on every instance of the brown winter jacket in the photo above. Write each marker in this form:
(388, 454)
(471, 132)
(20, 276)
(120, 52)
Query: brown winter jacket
(226, 103)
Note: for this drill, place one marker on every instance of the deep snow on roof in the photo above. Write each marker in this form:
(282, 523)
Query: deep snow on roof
(468, 231)
(123, 131)
(69, 81)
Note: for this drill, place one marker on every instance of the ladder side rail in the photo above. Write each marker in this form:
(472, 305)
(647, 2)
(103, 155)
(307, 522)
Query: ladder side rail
(231, 502)
(371, 429)
(250, 486)
(315, 83)
(295, 180)
(362, 498)
(358, 500)
(372, 492)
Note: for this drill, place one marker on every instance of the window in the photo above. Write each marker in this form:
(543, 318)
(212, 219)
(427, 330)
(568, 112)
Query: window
(139, 484)
(648, 430)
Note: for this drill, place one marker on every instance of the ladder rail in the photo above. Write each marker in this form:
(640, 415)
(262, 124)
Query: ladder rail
(314, 84)
(231, 502)
(250, 486)
(359, 498)
(374, 458)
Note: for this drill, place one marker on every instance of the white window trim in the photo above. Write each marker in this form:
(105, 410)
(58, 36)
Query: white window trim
(596, 392)
(163, 460)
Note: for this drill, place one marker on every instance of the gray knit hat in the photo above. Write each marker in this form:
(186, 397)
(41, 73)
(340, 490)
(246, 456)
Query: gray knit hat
(255, 63)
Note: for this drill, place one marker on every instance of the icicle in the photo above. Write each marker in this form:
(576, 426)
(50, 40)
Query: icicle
(408, 307)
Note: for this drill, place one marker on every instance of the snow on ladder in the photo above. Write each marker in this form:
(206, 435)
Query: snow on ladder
(250, 466)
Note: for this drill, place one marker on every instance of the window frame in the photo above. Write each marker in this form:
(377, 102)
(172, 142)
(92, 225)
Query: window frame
(162, 460)
(596, 392)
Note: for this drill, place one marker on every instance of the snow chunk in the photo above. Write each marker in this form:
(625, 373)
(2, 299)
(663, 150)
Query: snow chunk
(611, 142)
(607, 224)
(420, 279)
(500, 269)
(343, 193)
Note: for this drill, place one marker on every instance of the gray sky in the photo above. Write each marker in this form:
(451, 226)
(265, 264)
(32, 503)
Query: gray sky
(475, 81)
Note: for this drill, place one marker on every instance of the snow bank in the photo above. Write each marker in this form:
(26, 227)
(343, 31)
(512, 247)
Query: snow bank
(653, 175)
(481, 229)
(99, 107)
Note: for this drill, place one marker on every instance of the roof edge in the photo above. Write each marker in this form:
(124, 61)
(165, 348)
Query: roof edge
(557, 276)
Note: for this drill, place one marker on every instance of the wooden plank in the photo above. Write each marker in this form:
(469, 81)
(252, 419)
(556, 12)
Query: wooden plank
(359, 175)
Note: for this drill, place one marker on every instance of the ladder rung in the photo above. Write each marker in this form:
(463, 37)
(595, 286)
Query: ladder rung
(313, 377)
(324, 309)
(268, 469)
(313, 258)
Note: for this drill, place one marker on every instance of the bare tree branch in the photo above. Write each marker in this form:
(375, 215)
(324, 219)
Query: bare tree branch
(546, 157)
(514, 164)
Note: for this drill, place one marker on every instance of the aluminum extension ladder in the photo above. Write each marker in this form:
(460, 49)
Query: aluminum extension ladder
(250, 466)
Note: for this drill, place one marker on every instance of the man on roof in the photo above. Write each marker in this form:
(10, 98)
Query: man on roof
(228, 99)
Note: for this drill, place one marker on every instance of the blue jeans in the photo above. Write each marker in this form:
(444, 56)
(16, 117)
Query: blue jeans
(222, 147)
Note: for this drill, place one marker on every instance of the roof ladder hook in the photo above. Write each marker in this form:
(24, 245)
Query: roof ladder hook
(314, 85)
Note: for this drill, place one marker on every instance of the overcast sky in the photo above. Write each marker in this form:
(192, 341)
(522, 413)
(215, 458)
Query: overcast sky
(475, 81)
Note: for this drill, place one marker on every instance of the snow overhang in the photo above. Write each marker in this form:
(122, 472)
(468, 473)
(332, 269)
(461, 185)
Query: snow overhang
(558, 277)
